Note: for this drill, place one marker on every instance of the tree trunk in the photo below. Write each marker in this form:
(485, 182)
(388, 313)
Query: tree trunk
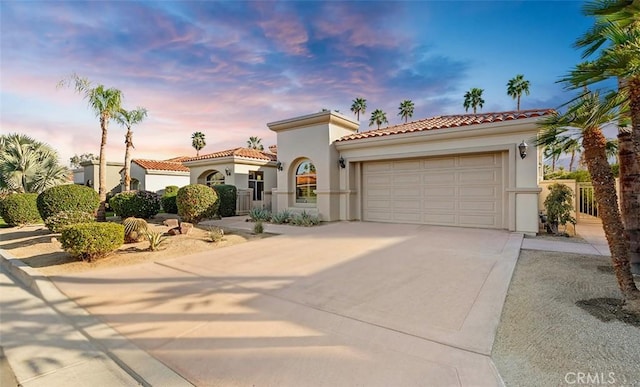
(518, 108)
(629, 155)
(594, 144)
(102, 171)
(573, 158)
(128, 140)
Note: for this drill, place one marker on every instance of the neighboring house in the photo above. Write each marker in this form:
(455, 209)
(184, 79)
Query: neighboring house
(78, 176)
(156, 175)
(90, 175)
(456, 170)
(242, 167)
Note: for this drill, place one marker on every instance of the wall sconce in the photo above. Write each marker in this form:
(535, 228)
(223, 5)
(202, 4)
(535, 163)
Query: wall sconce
(279, 165)
(341, 162)
(522, 147)
(227, 171)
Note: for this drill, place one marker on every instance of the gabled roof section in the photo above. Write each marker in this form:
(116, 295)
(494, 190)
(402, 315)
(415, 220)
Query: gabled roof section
(155, 165)
(245, 153)
(451, 121)
(178, 159)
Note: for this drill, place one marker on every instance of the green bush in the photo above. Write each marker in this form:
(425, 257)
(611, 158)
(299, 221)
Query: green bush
(139, 204)
(227, 194)
(169, 199)
(62, 219)
(19, 209)
(68, 197)
(90, 241)
(197, 202)
(259, 214)
(558, 206)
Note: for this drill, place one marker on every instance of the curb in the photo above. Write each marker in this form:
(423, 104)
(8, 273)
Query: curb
(144, 368)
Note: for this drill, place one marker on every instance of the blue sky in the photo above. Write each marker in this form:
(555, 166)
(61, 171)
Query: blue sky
(228, 68)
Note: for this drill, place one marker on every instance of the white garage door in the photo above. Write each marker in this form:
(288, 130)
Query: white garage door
(454, 191)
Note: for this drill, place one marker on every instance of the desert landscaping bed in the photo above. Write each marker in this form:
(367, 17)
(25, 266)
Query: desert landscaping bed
(39, 248)
(560, 322)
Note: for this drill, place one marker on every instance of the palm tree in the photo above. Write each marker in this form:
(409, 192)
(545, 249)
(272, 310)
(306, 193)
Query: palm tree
(27, 165)
(553, 152)
(473, 99)
(255, 143)
(516, 86)
(198, 142)
(572, 147)
(128, 119)
(105, 103)
(618, 24)
(359, 106)
(378, 117)
(406, 110)
(586, 118)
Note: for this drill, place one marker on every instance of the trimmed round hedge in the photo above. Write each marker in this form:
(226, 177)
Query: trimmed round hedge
(19, 209)
(67, 197)
(62, 219)
(90, 241)
(169, 204)
(227, 194)
(139, 204)
(197, 202)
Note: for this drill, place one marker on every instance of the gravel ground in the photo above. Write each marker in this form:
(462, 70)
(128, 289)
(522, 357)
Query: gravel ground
(544, 339)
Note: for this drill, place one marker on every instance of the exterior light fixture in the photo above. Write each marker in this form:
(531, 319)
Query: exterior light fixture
(522, 147)
(341, 162)
(279, 165)
(227, 171)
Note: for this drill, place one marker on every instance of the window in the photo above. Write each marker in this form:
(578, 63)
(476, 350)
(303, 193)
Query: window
(214, 178)
(135, 184)
(306, 182)
(256, 182)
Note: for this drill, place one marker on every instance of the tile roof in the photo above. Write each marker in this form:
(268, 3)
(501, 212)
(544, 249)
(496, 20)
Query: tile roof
(178, 159)
(451, 121)
(156, 165)
(237, 152)
(273, 149)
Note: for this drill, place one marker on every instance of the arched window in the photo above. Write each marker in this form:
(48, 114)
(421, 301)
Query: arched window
(135, 184)
(306, 182)
(214, 178)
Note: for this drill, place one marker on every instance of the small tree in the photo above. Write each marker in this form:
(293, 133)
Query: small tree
(558, 206)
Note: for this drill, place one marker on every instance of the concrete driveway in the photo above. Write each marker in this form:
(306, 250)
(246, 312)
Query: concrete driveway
(343, 304)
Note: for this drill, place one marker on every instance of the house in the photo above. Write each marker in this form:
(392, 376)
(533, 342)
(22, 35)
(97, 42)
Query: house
(89, 175)
(156, 175)
(455, 170)
(247, 169)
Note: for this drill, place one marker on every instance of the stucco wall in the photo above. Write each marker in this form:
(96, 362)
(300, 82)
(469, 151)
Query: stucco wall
(91, 169)
(158, 182)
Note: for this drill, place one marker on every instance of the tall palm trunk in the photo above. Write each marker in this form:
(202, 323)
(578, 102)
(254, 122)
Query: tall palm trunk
(573, 159)
(518, 105)
(628, 151)
(102, 171)
(594, 143)
(128, 140)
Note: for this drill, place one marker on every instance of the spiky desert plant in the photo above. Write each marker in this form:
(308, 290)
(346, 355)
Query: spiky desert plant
(155, 239)
(135, 229)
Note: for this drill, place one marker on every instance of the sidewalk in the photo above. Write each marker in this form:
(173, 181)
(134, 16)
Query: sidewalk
(592, 233)
(48, 340)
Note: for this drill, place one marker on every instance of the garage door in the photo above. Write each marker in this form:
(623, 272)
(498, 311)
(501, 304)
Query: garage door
(454, 191)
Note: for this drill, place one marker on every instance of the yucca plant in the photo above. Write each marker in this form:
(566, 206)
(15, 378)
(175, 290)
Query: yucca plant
(260, 214)
(281, 217)
(258, 228)
(135, 229)
(216, 234)
(155, 239)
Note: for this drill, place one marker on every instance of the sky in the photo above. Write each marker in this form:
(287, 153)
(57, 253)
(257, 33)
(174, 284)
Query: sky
(228, 68)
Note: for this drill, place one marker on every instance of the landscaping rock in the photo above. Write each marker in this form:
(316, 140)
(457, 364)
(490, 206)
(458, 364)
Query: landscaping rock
(171, 223)
(174, 231)
(185, 228)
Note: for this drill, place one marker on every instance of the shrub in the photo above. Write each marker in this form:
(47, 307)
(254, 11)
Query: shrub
(68, 197)
(261, 214)
(558, 205)
(135, 229)
(196, 202)
(169, 199)
(305, 219)
(281, 217)
(216, 234)
(62, 219)
(228, 195)
(258, 228)
(19, 209)
(139, 204)
(90, 241)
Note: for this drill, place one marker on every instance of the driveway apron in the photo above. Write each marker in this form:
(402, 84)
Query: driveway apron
(342, 304)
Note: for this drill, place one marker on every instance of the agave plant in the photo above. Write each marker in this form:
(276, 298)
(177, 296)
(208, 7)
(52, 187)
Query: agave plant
(155, 239)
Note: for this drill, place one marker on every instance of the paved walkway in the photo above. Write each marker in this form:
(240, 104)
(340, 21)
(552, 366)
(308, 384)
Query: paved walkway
(592, 233)
(338, 304)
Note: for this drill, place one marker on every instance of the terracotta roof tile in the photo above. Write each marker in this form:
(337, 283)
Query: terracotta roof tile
(156, 165)
(237, 152)
(178, 159)
(451, 121)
